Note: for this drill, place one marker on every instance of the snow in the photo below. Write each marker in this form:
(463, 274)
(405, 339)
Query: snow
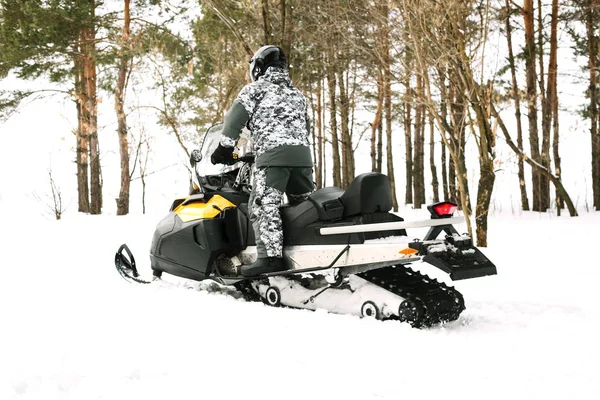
(73, 329)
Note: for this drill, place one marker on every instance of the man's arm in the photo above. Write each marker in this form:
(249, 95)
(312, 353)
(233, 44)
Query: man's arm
(235, 120)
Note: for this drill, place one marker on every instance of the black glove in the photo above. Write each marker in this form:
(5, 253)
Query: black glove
(222, 155)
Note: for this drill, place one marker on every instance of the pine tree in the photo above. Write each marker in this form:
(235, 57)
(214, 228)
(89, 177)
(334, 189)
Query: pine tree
(55, 39)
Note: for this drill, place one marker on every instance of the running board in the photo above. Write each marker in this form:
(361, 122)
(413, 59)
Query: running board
(314, 257)
(389, 226)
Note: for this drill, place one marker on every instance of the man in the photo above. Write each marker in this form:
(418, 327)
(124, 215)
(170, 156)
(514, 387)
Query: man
(277, 115)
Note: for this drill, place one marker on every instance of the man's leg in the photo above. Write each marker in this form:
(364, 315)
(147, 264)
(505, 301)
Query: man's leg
(300, 185)
(266, 220)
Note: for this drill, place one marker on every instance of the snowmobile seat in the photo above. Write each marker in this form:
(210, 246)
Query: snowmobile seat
(322, 205)
(299, 215)
(368, 193)
(301, 222)
(328, 204)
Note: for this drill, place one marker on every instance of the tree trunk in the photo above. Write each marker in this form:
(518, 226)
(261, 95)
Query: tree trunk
(347, 149)
(95, 168)
(376, 167)
(540, 51)
(82, 152)
(380, 136)
(485, 188)
(463, 167)
(457, 149)
(352, 104)
(388, 135)
(551, 103)
(530, 57)
(283, 10)
(419, 148)
(546, 114)
(408, 100)
(331, 82)
(313, 132)
(123, 200)
(408, 97)
(452, 189)
(343, 130)
(444, 116)
(143, 168)
(457, 171)
(486, 144)
(387, 94)
(478, 98)
(319, 142)
(266, 19)
(517, 101)
(90, 109)
(323, 141)
(444, 174)
(592, 42)
(434, 179)
(557, 164)
(286, 27)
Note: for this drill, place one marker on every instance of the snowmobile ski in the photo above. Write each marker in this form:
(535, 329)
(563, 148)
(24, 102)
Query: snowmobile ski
(125, 264)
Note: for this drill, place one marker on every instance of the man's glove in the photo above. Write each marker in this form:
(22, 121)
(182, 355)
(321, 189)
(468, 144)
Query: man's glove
(223, 155)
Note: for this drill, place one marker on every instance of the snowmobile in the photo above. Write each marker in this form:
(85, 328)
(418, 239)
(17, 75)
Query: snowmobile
(344, 250)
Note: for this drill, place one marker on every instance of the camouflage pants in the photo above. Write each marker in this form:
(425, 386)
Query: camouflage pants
(270, 183)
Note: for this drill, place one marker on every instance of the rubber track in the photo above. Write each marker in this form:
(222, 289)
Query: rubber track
(249, 294)
(428, 302)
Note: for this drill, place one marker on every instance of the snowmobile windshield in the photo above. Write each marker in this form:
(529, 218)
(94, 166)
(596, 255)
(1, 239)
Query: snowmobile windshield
(211, 141)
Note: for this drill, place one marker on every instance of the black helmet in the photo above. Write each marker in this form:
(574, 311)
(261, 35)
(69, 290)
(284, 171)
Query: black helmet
(265, 57)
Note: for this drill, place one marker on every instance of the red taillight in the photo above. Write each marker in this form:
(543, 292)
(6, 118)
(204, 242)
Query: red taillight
(442, 210)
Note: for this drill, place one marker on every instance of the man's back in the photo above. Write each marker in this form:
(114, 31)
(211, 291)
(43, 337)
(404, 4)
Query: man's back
(278, 117)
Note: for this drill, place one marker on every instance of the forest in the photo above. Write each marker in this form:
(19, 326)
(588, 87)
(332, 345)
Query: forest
(407, 78)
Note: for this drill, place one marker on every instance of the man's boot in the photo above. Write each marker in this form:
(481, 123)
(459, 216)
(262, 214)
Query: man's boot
(263, 266)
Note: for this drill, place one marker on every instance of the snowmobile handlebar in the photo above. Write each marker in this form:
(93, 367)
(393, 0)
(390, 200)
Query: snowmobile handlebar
(247, 158)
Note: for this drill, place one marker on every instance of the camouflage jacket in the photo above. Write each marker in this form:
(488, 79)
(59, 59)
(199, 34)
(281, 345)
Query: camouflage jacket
(277, 116)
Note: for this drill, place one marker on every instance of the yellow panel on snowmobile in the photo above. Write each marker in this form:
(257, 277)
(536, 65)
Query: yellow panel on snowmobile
(201, 209)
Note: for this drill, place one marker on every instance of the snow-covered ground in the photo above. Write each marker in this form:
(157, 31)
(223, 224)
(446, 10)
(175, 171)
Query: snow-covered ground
(71, 328)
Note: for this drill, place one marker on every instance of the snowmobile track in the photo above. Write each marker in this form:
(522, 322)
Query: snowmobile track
(248, 293)
(428, 302)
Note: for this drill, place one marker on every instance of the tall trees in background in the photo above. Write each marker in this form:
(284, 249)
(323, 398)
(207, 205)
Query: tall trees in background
(546, 97)
(550, 104)
(416, 68)
(451, 36)
(588, 13)
(122, 131)
(89, 100)
(515, 94)
(387, 96)
(57, 39)
(532, 98)
(540, 159)
(418, 163)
